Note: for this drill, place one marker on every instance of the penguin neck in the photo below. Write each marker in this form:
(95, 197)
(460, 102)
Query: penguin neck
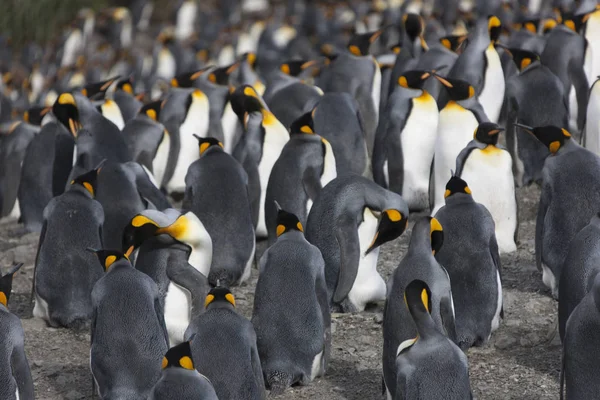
(568, 147)
(291, 235)
(420, 241)
(459, 198)
(221, 305)
(423, 321)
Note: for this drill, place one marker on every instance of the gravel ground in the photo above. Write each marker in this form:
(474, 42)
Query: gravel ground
(520, 362)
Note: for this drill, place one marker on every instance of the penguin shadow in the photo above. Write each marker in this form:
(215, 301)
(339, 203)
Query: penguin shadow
(352, 381)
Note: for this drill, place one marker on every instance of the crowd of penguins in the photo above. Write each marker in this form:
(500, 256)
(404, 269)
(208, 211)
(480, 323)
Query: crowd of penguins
(151, 157)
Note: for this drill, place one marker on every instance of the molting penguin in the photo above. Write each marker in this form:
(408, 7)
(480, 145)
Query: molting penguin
(570, 193)
(361, 215)
(224, 345)
(129, 320)
(419, 263)
(429, 366)
(305, 166)
(291, 309)
(180, 380)
(14, 371)
(217, 192)
(470, 255)
(405, 141)
(487, 167)
(65, 272)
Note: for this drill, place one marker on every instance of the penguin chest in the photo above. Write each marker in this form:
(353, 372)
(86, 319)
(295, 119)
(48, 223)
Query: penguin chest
(177, 312)
(496, 319)
(159, 163)
(112, 112)
(229, 123)
(185, 20)
(166, 64)
(592, 34)
(592, 124)
(418, 144)
(492, 93)
(376, 88)
(368, 286)
(329, 172)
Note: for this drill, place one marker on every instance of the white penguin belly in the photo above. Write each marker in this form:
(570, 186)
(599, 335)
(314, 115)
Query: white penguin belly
(16, 210)
(549, 280)
(592, 124)
(151, 177)
(111, 111)
(455, 131)
(229, 124)
(376, 89)
(317, 366)
(418, 144)
(329, 171)
(248, 268)
(40, 310)
(177, 313)
(496, 320)
(489, 175)
(185, 20)
(369, 286)
(166, 64)
(592, 34)
(492, 93)
(159, 163)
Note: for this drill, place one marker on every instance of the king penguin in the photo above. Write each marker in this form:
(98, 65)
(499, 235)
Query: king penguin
(570, 192)
(128, 319)
(591, 135)
(405, 141)
(14, 370)
(427, 238)
(487, 166)
(362, 216)
(224, 344)
(429, 366)
(470, 255)
(217, 192)
(291, 310)
(65, 272)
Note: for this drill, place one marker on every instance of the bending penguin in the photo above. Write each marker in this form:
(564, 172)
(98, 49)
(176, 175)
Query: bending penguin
(361, 216)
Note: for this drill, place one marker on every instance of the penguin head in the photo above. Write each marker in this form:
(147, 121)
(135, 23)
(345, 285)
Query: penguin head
(207, 142)
(125, 85)
(531, 24)
(453, 42)
(287, 222)
(109, 257)
(359, 44)
(494, 28)
(6, 283)
(66, 112)
(89, 179)
(152, 110)
(179, 356)
(417, 296)
(35, 115)
(186, 79)
(457, 89)
(574, 22)
(219, 297)
(523, 58)
(245, 100)
(414, 79)
(487, 133)
(396, 49)
(456, 186)
(250, 59)
(551, 136)
(548, 24)
(391, 225)
(220, 76)
(97, 90)
(303, 125)
(436, 235)
(414, 26)
(295, 67)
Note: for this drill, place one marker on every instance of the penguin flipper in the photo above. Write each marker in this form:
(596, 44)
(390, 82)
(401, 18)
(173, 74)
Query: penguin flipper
(63, 161)
(323, 299)
(256, 367)
(349, 245)
(580, 83)
(448, 319)
(161, 318)
(432, 185)
(40, 242)
(378, 158)
(173, 129)
(146, 188)
(464, 154)
(193, 281)
(311, 181)
(20, 369)
(545, 199)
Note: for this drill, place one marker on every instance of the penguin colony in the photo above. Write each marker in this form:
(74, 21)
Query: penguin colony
(152, 158)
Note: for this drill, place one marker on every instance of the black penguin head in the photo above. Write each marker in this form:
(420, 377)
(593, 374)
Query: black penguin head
(6, 283)
(574, 22)
(179, 356)
(397, 48)
(548, 25)
(494, 28)
(245, 100)
(303, 125)
(219, 295)
(414, 26)
(295, 67)
(108, 257)
(186, 79)
(456, 185)
(206, 142)
(89, 179)
(457, 89)
(287, 222)
(391, 225)
(414, 79)
(220, 76)
(453, 42)
(139, 229)
(66, 111)
(487, 133)
(531, 24)
(97, 90)
(359, 44)
(152, 110)
(436, 235)
(35, 115)
(523, 58)
(249, 58)
(417, 296)
(551, 136)
(125, 85)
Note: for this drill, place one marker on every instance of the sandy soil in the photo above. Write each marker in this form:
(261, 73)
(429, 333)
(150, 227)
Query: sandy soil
(520, 362)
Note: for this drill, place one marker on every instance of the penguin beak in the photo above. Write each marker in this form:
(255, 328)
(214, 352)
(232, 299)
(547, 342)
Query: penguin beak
(524, 127)
(443, 81)
(495, 131)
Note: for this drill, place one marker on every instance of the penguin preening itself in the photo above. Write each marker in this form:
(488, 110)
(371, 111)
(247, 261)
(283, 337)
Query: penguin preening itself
(471, 258)
(14, 370)
(426, 240)
(65, 272)
(362, 216)
(429, 366)
(217, 192)
(487, 166)
(223, 344)
(291, 309)
(570, 193)
(179, 379)
(128, 319)
(405, 140)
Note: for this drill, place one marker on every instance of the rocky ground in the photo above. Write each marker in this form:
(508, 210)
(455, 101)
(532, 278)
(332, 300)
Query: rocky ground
(520, 362)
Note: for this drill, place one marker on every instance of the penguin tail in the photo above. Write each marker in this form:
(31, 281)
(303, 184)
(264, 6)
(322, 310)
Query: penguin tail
(278, 382)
